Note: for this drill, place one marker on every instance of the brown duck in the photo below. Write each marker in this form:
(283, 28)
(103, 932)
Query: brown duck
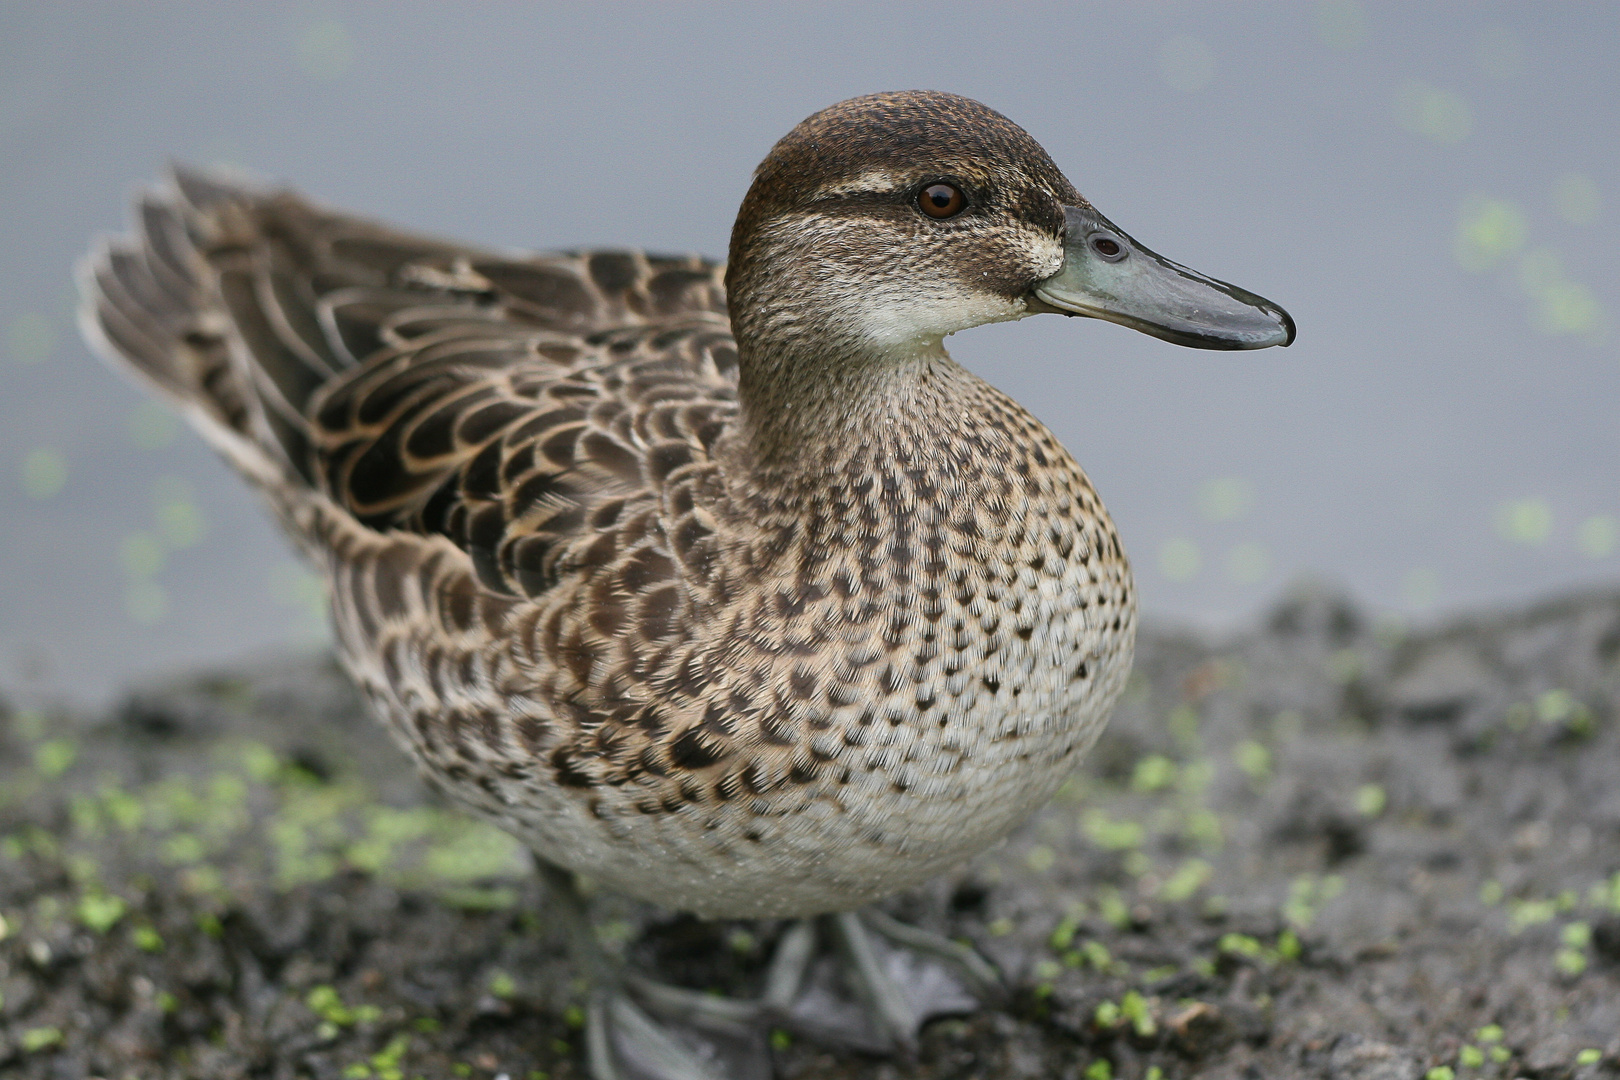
(722, 585)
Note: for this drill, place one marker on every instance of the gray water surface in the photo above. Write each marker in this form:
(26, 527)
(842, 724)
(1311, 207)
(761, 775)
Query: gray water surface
(1433, 192)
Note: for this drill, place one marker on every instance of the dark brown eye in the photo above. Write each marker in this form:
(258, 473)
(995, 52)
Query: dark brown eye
(1105, 246)
(941, 200)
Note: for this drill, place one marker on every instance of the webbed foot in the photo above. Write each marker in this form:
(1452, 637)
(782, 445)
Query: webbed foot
(639, 1029)
(659, 1032)
(883, 983)
(873, 991)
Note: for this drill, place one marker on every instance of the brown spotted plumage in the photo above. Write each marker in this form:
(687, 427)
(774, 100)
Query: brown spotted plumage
(767, 612)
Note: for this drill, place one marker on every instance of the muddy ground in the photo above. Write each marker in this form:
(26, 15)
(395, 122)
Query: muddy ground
(1323, 848)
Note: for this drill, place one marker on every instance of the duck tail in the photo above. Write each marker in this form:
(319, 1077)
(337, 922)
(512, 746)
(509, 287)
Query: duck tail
(195, 304)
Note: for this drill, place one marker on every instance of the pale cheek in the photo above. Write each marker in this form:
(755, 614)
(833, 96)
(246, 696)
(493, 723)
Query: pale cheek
(1047, 257)
(1038, 255)
(899, 318)
(897, 292)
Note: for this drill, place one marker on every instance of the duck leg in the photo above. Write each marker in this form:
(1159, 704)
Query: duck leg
(639, 1029)
(884, 981)
(977, 975)
(872, 992)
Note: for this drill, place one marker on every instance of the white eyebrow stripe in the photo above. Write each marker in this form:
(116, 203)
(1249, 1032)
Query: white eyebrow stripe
(872, 180)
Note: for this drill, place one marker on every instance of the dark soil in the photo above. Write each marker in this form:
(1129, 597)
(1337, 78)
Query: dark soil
(1321, 849)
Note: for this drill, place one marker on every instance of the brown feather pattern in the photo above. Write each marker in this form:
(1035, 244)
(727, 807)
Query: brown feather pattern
(580, 597)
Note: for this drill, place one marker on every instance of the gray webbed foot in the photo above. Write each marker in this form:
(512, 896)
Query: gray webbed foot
(638, 1029)
(884, 981)
(872, 991)
(678, 1035)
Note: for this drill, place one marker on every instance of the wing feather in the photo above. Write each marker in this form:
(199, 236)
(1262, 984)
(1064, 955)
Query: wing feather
(529, 409)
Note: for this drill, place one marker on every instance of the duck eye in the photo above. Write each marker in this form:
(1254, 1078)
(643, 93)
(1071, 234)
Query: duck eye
(1107, 247)
(941, 200)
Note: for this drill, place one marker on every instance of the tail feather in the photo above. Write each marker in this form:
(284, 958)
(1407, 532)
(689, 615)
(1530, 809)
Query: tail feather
(168, 250)
(240, 303)
(149, 304)
(216, 301)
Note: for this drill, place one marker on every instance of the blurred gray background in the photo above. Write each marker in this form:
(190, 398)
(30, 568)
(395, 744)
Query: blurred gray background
(1433, 191)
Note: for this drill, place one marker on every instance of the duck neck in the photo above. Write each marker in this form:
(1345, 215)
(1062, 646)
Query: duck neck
(805, 409)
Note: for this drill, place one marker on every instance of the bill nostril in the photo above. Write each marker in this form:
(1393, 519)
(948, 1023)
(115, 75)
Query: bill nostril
(1108, 247)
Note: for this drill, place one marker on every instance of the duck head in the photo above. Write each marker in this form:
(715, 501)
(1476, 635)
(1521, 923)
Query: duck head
(883, 223)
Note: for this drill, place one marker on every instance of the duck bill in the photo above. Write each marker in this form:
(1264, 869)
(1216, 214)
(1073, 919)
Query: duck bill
(1107, 275)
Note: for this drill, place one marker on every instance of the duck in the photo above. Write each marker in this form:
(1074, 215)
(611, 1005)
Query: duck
(720, 585)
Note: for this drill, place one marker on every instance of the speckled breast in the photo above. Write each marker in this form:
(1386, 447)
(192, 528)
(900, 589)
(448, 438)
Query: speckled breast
(900, 663)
